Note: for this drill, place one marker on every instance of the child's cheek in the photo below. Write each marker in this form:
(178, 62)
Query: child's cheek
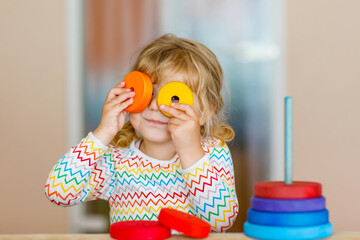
(135, 119)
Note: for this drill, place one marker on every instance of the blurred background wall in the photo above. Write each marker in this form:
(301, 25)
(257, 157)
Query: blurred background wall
(32, 122)
(322, 74)
(323, 77)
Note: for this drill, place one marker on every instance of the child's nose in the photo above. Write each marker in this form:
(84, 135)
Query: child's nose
(153, 103)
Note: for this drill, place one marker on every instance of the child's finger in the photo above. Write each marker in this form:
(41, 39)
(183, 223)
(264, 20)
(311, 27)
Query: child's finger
(176, 121)
(174, 112)
(120, 98)
(115, 92)
(120, 84)
(121, 106)
(188, 109)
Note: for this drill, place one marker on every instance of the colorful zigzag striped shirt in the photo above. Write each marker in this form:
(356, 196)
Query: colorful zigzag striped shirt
(137, 186)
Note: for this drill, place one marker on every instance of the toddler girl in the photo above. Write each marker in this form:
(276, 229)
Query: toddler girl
(154, 161)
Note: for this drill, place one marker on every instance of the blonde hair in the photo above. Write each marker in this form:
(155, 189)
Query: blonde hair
(205, 77)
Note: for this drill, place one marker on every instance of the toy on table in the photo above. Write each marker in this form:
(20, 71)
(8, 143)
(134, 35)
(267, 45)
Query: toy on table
(168, 219)
(289, 209)
(141, 84)
(133, 230)
(185, 223)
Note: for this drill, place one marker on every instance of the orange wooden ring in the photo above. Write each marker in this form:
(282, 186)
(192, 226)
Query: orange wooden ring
(280, 190)
(141, 84)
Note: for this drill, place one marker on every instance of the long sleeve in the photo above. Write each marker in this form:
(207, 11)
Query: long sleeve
(211, 188)
(85, 173)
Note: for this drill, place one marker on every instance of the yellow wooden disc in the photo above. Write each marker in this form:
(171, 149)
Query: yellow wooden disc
(174, 92)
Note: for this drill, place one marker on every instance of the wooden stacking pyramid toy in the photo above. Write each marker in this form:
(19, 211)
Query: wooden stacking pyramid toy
(290, 209)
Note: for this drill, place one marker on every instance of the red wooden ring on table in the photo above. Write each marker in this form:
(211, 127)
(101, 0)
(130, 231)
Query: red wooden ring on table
(141, 84)
(280, 190)
(185, 223)
(139, 230)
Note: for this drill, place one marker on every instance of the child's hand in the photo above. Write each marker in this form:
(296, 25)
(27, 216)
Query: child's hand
(184, 128)
(113, 114)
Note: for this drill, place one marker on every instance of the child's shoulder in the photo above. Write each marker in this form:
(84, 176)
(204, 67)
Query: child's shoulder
(120, 152)
(211, 143)
(217, 150)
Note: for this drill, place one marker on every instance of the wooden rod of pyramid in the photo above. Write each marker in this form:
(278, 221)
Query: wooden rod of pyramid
(288, 140)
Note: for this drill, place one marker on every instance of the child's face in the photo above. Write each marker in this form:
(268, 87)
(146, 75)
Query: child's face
(151, 123)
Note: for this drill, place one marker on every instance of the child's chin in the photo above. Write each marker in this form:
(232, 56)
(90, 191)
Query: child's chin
(157, 136)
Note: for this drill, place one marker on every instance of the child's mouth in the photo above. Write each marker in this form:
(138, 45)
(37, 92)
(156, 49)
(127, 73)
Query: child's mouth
(156, 122)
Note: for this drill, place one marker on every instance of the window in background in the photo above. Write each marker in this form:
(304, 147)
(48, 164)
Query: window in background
(245, 35)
